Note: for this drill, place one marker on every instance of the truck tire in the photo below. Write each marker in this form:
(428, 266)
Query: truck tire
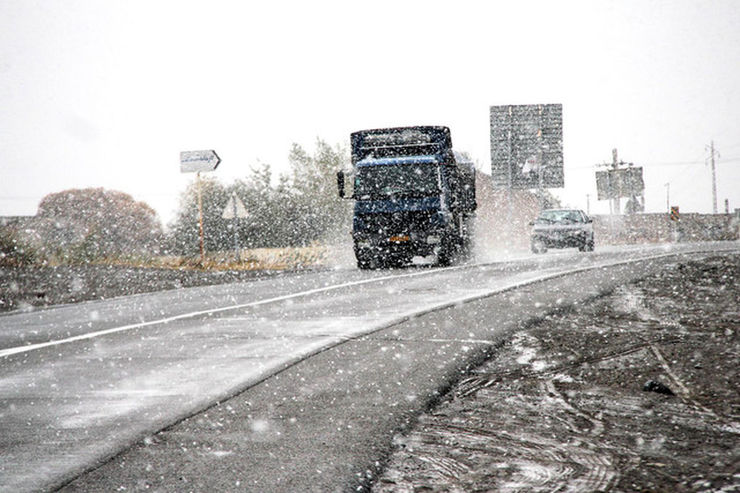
(446, 252)
(364, 262)
(466, 249)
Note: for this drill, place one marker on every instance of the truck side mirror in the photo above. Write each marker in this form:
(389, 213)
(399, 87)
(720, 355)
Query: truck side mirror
(340, 183)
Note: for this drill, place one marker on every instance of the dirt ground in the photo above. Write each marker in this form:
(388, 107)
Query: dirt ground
(637, 391)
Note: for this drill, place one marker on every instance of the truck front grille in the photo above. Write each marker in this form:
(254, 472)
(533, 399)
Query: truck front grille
(388, 223)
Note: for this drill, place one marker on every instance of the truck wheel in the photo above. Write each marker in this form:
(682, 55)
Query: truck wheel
(466, 249)
(364, 262)
(445, 252)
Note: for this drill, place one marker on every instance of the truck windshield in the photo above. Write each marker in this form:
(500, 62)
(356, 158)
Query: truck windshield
(405, 180)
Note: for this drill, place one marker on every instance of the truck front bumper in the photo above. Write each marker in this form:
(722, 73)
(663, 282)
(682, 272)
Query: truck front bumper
(399, 245)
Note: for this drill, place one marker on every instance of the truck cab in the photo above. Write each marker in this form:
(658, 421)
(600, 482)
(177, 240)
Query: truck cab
(414, 196)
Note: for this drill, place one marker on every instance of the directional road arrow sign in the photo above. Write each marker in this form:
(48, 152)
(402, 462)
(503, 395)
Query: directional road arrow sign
(197, 161)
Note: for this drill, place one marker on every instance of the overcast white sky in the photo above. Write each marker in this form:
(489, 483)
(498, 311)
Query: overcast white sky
(107, 93)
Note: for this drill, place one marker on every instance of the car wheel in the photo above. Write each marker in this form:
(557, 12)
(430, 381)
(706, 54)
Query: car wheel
(538, 247)
(587, 246)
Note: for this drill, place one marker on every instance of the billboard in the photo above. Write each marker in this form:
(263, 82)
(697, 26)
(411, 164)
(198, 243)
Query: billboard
(527, 146)
(617, 183)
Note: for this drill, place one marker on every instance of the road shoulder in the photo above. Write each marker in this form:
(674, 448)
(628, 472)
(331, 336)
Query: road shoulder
(635, 391)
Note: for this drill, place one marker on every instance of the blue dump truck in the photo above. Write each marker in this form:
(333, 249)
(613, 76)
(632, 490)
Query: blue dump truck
(414, 197)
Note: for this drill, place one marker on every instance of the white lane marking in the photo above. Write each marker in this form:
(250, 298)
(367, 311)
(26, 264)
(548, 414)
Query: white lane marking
(485, 293)
(138, 325)
(464, 299)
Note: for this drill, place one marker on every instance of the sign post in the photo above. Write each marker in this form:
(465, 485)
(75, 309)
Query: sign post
(527, 146)
(526, 149)
(235, 210)
(675, 219)
(196, 162)
(621, 180)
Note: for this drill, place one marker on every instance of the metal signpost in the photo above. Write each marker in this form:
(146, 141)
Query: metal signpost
(675, 220)
(616, 183)
(622, 180)
(527, 146)
(197, 162)
(235, 210)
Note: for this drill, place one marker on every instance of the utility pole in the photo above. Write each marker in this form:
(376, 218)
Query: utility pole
(668, 197)
(510, 179)
(712, 152)
(616, 206)
(540, 160)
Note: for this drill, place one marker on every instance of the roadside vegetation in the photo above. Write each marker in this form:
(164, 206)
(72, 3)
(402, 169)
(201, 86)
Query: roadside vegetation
(291, 219)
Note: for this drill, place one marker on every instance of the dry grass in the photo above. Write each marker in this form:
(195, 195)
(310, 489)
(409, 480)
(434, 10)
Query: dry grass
(252, 259)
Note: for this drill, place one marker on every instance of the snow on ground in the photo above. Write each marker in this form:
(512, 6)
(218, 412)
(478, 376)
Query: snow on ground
(562, 406)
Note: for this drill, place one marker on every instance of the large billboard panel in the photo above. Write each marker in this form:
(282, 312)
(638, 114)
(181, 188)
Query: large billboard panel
(617, 183)
(527, 146)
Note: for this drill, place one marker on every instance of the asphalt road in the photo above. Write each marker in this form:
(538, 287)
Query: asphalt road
(312, 373)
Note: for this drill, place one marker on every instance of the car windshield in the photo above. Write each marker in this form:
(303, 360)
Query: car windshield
(410, 180)
(560, 216)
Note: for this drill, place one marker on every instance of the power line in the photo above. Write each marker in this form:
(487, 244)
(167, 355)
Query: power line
(669, 163)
